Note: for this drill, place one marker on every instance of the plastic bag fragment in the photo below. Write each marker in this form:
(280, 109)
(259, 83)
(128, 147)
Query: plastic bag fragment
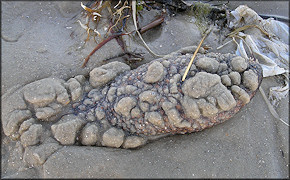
(271, 51)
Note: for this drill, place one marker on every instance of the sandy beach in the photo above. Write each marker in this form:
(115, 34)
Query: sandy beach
(44, 39)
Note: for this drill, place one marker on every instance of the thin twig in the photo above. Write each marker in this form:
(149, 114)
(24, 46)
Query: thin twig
(118, 37)
(100, 45)
(191, 61)
(246, 27)
(271, 108)
(117, 4)
(134, 11)
(153, 24)
(224, 45)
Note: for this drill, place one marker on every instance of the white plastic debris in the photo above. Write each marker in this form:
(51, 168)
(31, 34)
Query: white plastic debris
(272, 51)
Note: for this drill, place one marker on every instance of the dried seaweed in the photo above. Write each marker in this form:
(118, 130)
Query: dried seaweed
(118, 18)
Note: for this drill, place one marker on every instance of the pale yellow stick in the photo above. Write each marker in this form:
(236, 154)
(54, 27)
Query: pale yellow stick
(246, 27)
(191, 61)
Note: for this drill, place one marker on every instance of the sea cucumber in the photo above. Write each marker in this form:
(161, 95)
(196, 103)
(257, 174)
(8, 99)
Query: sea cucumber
(118, 107)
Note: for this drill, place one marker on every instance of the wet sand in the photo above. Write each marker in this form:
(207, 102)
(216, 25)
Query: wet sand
(42, 42)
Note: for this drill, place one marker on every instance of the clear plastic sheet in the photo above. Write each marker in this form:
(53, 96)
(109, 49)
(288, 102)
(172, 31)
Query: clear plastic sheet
(268, 44)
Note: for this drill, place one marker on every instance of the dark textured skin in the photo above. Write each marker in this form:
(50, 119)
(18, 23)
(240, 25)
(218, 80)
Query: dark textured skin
(53, 98)
(147, 128)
